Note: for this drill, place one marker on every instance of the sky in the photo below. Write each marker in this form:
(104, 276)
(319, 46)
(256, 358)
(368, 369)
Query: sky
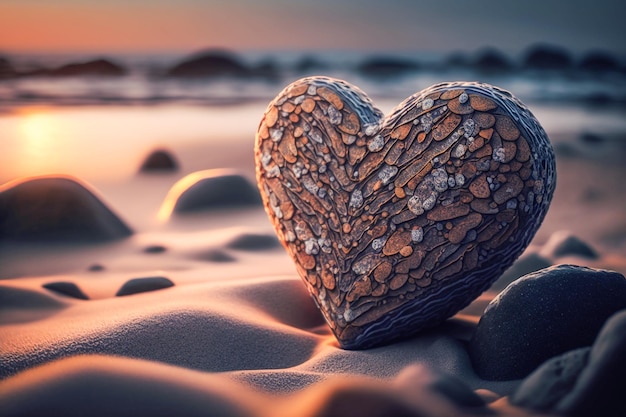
(377, 25)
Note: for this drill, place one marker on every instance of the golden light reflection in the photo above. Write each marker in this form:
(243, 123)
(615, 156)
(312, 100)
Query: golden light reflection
(182, 185)
(39, 132)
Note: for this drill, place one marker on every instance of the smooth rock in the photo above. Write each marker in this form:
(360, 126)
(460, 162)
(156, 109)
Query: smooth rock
(253, 242)
(66, 288)
(94, 68)
(6, 68)
(599, 390)
(214, 255)
(209, 190)
(155, 249)
(593, 139)
(56, 209)
(564, 243)
(554, 379)
(139, 285)
(598, 61)
(13, 298)
(96, 268)
(542, 315)
(491, 60)
(159, 161)
(209, 64)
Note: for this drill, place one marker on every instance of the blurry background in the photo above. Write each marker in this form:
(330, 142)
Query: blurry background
(89, 87)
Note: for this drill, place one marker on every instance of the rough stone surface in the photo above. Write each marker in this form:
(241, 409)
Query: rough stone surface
(139, 285)
(57, 209)
(542, 315)
(396, 223)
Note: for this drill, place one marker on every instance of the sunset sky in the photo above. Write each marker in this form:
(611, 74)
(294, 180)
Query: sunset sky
(431, 25)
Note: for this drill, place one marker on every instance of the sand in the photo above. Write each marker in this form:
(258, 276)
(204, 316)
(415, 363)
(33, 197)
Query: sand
(237, 334)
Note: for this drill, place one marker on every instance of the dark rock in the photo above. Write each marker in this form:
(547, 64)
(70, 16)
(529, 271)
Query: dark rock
(599, 390)
(266, 69)
(95, 68)
(211, 189)
(490, 60)
(308, 64)
(215, 255)
(253, 242)
(56, 209)
(139, 285)
(563, 243)
(210, 64)
(549, 383)
(591, 138)
(66, 288)
(600, 98)
(96, 268)
(155, 249)
(542, 315)
(547, 57)
(457, 60)
(159, 161)
(387, 67)
(599, 61)
(23, 299)
(6, 68)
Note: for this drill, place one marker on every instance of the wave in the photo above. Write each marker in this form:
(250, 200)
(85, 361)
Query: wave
(218, 77)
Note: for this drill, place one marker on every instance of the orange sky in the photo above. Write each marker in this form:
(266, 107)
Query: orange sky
(439, 25)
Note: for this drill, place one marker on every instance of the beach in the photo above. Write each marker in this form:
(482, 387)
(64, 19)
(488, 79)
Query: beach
(203, 313)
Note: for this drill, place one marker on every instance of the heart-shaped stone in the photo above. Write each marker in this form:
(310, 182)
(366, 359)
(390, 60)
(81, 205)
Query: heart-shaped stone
(396, 223)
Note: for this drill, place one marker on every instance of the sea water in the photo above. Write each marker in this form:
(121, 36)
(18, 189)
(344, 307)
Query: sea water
(98, 128)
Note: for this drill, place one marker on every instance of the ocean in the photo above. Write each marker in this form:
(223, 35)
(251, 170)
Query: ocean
(84, 126)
